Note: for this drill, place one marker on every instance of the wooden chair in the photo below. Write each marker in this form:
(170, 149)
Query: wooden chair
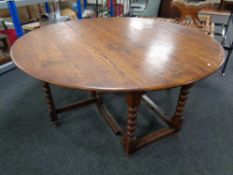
(191, 10)
(207, 27)
(224, 3)
(195, 21)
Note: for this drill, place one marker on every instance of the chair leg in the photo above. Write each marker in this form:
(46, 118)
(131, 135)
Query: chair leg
(226, 63)
(221, 5)
(177, 119)
(50, 103)
(130, 140)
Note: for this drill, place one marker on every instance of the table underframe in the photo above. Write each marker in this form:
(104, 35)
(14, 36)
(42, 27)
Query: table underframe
(128, 137)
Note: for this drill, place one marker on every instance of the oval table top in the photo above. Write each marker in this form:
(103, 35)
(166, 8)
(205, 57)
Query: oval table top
(117, 54)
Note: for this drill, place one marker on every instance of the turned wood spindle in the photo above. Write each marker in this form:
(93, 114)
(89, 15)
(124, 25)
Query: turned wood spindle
(50, 103)
(177, 119)
(130, 139)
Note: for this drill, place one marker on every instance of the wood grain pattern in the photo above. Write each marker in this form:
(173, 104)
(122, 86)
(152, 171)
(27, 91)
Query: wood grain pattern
(117, 54)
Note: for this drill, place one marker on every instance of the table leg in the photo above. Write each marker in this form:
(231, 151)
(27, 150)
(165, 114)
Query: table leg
(176, 120)
(130, 140)
(97, 95)
(50, 103)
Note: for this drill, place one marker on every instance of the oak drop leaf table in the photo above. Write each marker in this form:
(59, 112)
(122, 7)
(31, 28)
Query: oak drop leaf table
(127, 55)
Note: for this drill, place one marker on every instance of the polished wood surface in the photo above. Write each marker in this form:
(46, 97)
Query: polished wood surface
(118, 54)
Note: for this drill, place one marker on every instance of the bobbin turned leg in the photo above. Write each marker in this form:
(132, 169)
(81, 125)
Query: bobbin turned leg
(130, 140)
(50, 103)
(177, 119)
